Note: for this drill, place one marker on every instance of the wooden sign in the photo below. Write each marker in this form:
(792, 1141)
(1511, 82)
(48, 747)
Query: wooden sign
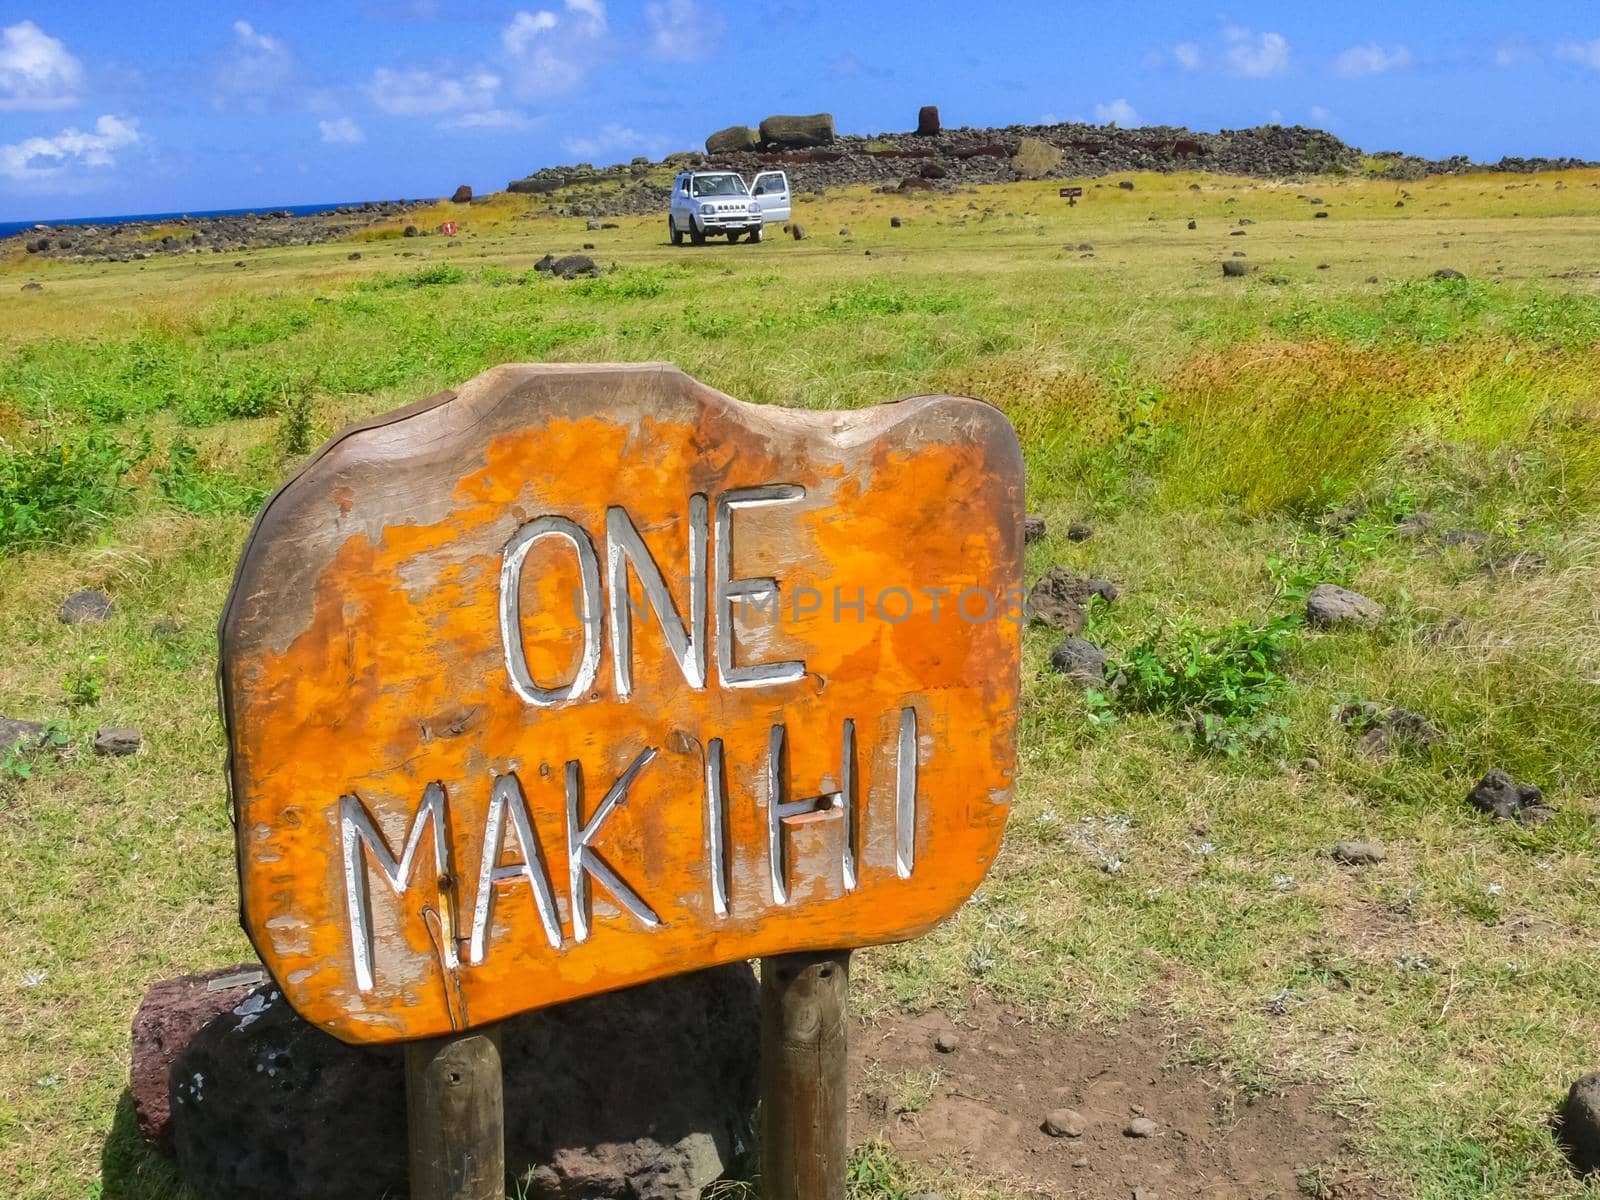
(581, 676)
(1071, 195)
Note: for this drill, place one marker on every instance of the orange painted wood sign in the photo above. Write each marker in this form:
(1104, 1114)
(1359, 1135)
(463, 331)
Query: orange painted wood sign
(580, 676)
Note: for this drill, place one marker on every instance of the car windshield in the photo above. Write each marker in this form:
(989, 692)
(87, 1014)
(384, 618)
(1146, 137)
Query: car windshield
(719, 185)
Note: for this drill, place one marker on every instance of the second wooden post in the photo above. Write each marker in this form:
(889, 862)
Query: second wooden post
(455, 1117)
(804, 1077)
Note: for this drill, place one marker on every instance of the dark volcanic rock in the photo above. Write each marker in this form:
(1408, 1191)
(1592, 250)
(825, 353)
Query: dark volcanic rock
(1080, 661)
(28, 734)
(170, 1015)
(573, 265)
(797, 231)
(1234, 269)
(797, 133)
(463, 195)
(1033, 528)
(1061, 599)
(1359, 854)
(646, 1093)
(733, 140)
(85, 608)
(1580, 1124)
(1330, 605)
(1501, 796)
(117, 741)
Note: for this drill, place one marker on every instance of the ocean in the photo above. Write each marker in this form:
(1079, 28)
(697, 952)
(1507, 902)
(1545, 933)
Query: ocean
(7, 228)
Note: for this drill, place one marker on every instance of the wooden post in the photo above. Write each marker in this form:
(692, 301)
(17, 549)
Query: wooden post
(455, 1117)
(804, 1144)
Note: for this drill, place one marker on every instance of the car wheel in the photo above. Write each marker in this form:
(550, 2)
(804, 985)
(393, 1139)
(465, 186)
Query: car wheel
(755, 234)
(696, 234)
(674, 233)
(733, 236)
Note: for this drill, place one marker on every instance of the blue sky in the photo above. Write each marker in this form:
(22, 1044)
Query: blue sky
(128, 107)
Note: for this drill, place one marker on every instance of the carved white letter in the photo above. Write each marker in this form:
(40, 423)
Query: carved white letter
(507, 795)
(516, 553)
(623, 544)
(357, 832)
(728, 588)
(583, 860)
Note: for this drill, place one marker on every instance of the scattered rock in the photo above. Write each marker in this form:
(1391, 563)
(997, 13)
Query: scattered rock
(353, 256)
(1035, 158)
(1398, 728)
(412, 231)
(797, 232)
(1234, 269)
(170, 1015)
(735, 139)
(1372, 279)
(1359, 854)
(1464, 537)
(86, 608)
(166, 628)
(1065, 1122)
(117, 741)
(1080, 661)
(1320, 216)
(1310, 766)
(573, 265)
(947, 1042)
(593, 224)
(30, 735)
(1416, 525)
(1079, 531)
(1033, 528)
(1580, 1124)
(1144, 1193)
(1448, 273)
(928, 120)
(1192, 225)
(1502, 797)
(1126, 185)
(1330, 605)
(325, 1119)
(1518, 562)
(895, 222)
(33, 287)
(844, 231)
(1140, 1127)
(1061, 599)
(462, 195)
(798, 133)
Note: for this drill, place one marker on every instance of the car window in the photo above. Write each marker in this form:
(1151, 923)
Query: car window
(770, 185)
(719, 185)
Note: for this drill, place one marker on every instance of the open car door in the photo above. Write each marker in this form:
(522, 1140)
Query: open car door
(771, 192)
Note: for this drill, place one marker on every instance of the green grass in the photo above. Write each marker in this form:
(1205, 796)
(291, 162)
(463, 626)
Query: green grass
(1233, 442)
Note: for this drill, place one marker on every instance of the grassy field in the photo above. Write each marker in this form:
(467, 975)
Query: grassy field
(1232, 441)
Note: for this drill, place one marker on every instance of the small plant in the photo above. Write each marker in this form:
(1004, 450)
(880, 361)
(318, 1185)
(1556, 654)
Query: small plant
(294, 425)
(192, 487)
(85, 681)
(59, 489)
(1221, 681)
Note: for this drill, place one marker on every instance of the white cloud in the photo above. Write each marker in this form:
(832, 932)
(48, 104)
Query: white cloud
(1372, 59)
(1320, 115)
(488, 118)
(1256, 55)
(1118, 112)
(551, 53)
(256, 68)
(341, 131)
(682, 30)
(40, 159)
(1515, 54)
(1275, 117)
(37, 73)
(1188, 55)
(615, 141)
(1585, 54)
(423, 93)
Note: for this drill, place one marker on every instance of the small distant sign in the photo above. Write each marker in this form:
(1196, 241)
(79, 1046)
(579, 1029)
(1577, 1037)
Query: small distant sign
(1071, 194)
(448, 228)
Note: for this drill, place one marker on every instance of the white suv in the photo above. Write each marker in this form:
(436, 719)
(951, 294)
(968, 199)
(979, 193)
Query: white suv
(706, 203)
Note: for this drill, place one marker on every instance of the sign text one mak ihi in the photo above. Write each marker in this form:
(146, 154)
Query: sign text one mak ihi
(581, 676)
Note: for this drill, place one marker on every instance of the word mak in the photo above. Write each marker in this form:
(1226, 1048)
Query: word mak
(517, 710)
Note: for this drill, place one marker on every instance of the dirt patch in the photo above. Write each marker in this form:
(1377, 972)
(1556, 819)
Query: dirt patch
(980, 1108)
